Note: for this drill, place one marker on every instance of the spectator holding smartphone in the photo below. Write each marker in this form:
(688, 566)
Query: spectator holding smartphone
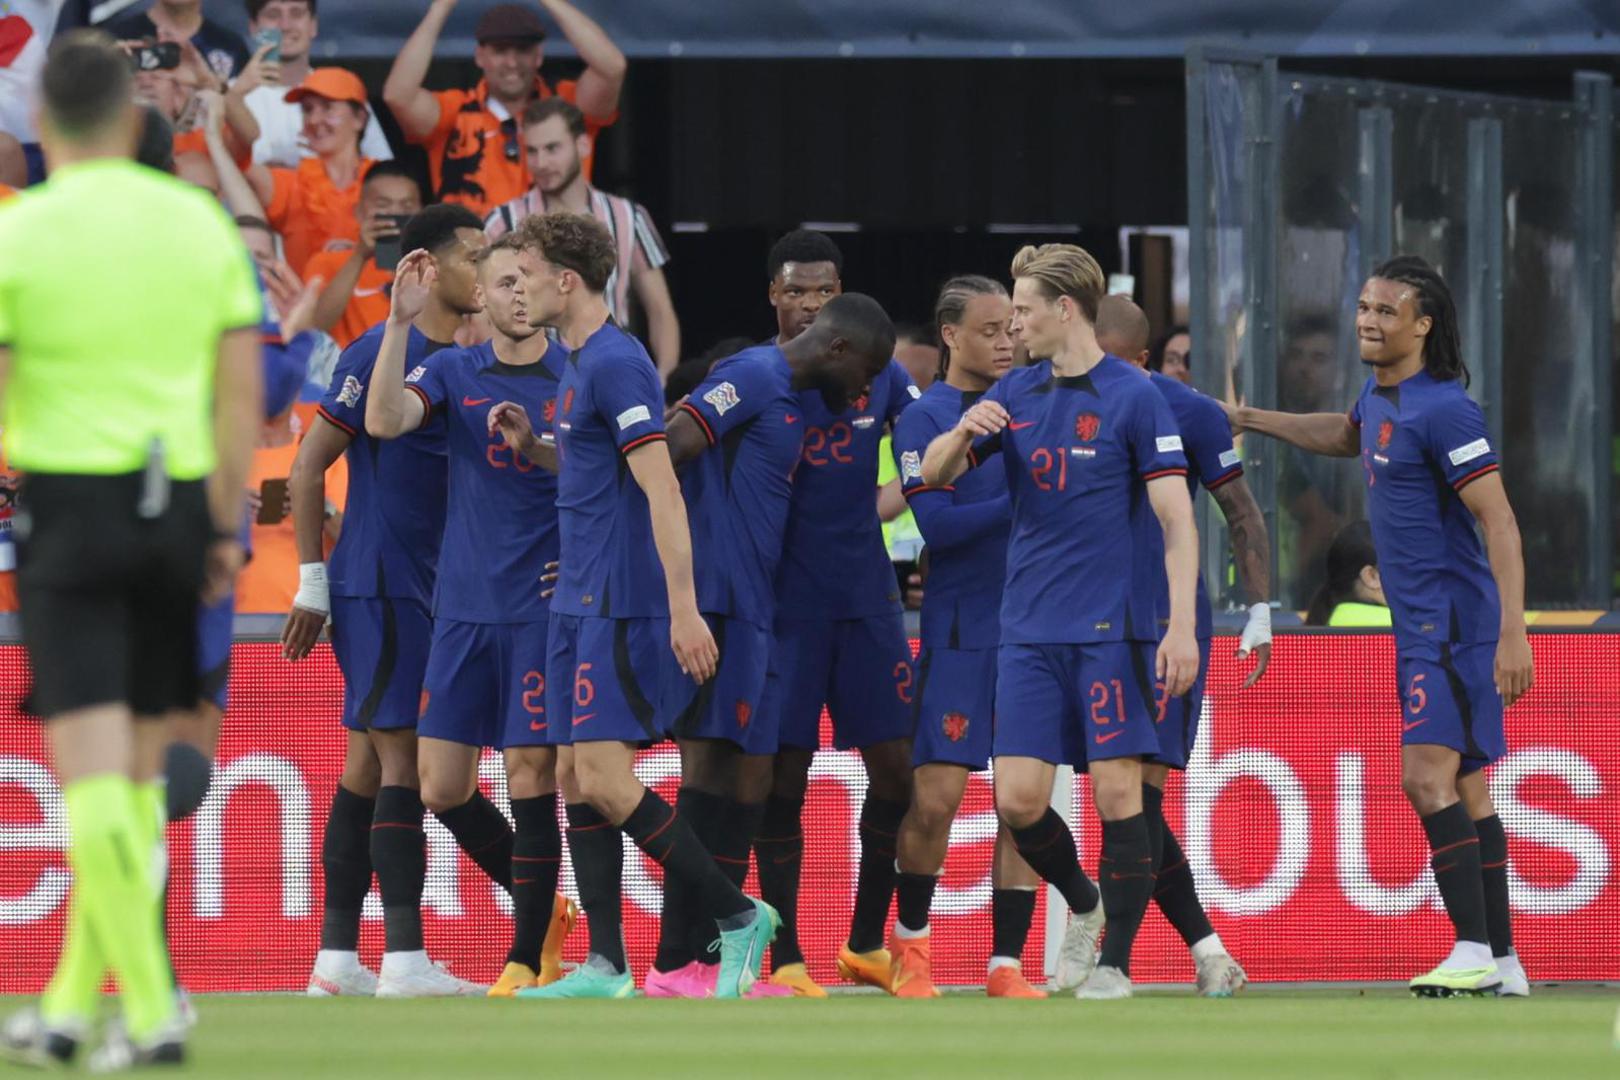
(356, 295)
(183, 20)
(282, 32)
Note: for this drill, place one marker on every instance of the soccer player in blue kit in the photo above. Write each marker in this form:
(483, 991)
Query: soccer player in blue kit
(1122, 330)
(965, 526)
(737, 439)
(625, 600)
(1462, 652)
(839, 636)
(377, 589)
(1083, 438)
(485, 684)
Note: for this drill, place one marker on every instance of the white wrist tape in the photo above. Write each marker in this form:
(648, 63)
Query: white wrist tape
(1257, 631)
(313, 593)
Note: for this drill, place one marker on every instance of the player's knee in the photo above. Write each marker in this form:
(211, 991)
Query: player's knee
(1020, 807)
(1428, 793)
(439, 794)
(931, 812)
(186, 774)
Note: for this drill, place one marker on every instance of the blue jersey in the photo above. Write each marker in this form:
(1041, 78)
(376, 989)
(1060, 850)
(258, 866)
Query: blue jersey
(834, 564)
(1423, 441)
(500, 528)
(737, 497)
(394, 519)
(965, 526)
(1078, 453)
(1206, 440)
(610, 404)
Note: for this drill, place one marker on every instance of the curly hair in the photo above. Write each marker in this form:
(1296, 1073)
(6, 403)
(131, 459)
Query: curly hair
(576, 242)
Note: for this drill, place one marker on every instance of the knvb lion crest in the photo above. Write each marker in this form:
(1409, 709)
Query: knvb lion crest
(568, 401)
(1086, 426)
(745, 713)
(1386, 432)
(549, 411)
(955, 726)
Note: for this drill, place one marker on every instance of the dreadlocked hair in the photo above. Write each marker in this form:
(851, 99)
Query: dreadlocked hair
(954, 297)
(1442, 349)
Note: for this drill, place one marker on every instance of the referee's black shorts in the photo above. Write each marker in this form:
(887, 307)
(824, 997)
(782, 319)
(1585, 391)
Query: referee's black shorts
(109, 599)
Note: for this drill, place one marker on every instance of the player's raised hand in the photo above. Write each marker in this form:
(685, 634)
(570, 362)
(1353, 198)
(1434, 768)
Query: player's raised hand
(694, 646)
(1177, 662)
(986, 418)
(510, 421)
(1515, 667)
(413, 283)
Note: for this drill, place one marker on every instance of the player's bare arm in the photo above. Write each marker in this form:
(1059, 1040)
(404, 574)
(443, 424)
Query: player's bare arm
(511, 421)
(686, 437)
(947, 456)
(1178, 657)
(306, 493)
(391, 409)
(689, 635)
(1251, 551)
(1328, 434)
(1486, 498)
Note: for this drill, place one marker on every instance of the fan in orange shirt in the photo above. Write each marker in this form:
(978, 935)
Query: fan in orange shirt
(356, 295)
(314, 204)
(268, 582)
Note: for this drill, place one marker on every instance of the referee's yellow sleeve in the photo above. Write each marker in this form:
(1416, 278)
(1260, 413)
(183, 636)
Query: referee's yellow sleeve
(11, 263)
(241, 304)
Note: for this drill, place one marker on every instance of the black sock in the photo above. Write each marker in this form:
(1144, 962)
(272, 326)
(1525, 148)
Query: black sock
(1493, 872)
(1125, 873)
(657, 830)
(1456, 862)
(346, 866)
(733, 838)
(399, 852)
(483, 833)
(779, 850)
(597, 853)
(1048, 847)
(874, 883)
(914, 895)
(1176, 894)
(680, 923)
(1153, 814)
(536, 862)
(1011, 912)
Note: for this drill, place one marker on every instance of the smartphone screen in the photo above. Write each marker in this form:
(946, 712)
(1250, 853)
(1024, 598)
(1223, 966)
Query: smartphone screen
(388, 247)
(273, 501)
(269, 35)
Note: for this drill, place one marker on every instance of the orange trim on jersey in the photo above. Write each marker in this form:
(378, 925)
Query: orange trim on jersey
(334, 421)
(427, 406)
(657, 436)
(1165, 472)
(919, 489)
(1228, 478)
(708, 432)
(1475, 475)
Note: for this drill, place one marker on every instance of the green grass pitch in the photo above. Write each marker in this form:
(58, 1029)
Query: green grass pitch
(1267, 1032)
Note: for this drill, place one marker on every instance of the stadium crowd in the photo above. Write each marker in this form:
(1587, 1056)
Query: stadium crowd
(721, 516)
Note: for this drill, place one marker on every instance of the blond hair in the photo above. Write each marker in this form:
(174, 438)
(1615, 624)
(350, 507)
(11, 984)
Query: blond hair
(1063, 270)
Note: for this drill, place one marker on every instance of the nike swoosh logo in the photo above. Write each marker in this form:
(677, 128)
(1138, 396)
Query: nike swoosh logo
(1110, 735)
(1014, 425)
(361, 294)
(578, 720)
(470, 402)
(540, 726)
(1415, 723)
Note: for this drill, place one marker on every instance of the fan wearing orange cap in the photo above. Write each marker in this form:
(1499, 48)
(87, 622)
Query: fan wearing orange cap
(313, 205)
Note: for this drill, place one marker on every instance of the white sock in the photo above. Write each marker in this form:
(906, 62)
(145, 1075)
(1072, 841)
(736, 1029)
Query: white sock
(1207, 947)
(906, 933)
(337, 958)
(1469, 954)
(1003, 961)
(408, 960)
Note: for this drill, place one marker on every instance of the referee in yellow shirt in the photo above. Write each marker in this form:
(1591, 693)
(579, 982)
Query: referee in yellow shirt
(129, 400)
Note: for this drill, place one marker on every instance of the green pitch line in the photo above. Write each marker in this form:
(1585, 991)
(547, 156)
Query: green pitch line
(1311, 1034)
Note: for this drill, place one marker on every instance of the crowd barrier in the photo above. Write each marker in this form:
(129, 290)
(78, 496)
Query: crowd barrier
(1307, 856)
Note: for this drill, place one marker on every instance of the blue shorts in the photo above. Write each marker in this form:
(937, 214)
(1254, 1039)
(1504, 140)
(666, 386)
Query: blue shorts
(381, 645)
(215, 628)
(728, 705)
(1178, 717)
(859, 668)
(486, 684)
(612, 680)
(1073, 704)
(954, 715)
(1452, 701)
